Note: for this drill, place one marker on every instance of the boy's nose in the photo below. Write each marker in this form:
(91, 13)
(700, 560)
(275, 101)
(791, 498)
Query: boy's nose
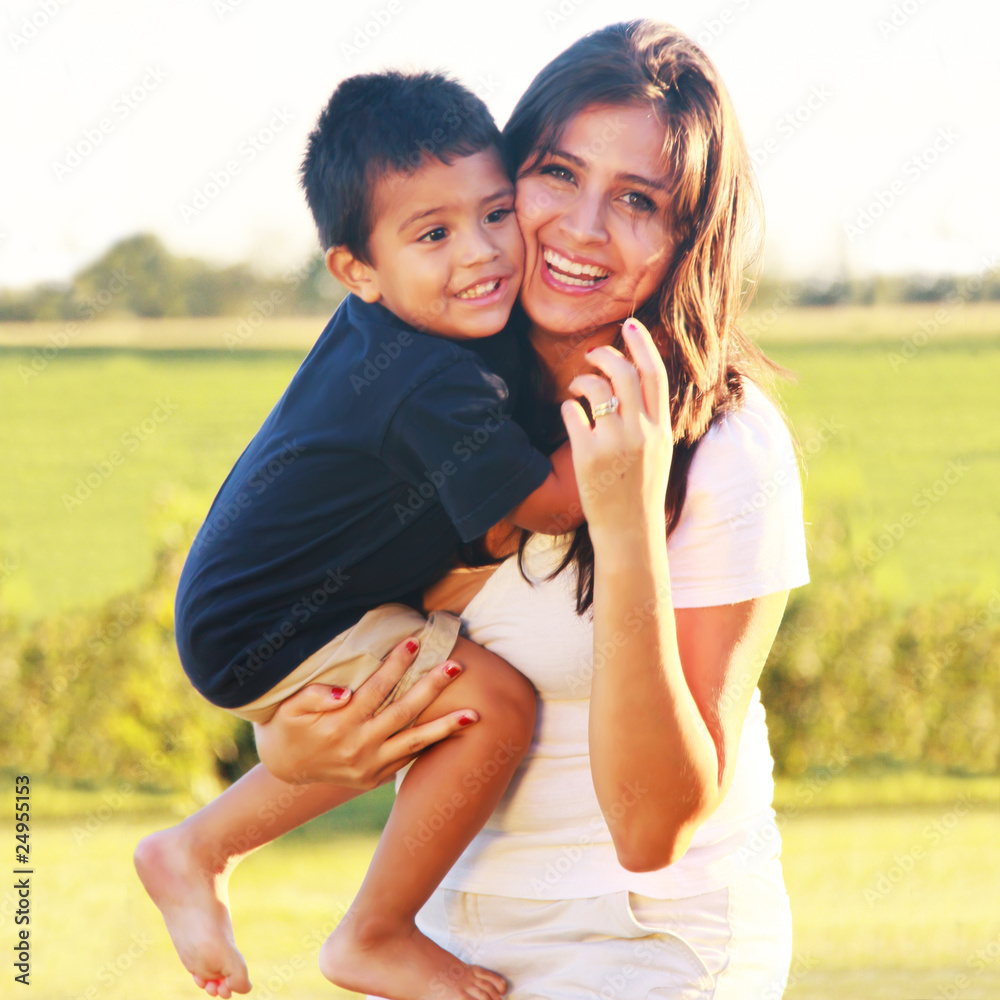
(478, 248)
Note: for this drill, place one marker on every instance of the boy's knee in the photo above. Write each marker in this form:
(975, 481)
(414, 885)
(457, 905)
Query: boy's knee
(507, 698)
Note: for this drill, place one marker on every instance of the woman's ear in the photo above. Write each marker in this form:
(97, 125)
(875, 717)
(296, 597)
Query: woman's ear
(354, 274)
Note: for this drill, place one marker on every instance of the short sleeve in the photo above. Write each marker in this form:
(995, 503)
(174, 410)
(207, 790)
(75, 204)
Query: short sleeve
(453, 438)
(741, 534)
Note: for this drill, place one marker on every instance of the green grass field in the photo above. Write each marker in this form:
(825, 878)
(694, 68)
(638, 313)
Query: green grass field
(864, 927)
(155, 413)
(906, 454)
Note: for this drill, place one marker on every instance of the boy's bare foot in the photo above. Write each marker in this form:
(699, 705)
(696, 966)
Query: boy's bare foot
(394, 960)
(194, 902)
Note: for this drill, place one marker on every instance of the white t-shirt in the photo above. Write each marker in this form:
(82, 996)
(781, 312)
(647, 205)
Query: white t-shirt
(740, 536)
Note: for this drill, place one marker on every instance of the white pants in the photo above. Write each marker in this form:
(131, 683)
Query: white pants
(732, 944)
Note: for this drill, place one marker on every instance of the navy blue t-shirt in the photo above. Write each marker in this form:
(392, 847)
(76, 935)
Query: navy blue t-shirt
(388, 447)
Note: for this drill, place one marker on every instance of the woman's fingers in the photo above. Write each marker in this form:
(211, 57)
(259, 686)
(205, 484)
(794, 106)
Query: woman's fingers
(578, 428)
(420, 697)
(376, 689)
(652, 371)
(314, 698)
(399, 750)
(624, 379)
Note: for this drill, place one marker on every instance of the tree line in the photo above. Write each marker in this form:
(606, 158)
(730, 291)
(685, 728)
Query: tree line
(139, 276)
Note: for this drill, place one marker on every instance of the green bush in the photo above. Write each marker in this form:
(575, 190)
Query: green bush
(101, 695)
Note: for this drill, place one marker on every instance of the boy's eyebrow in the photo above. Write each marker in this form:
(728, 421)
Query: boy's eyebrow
(420, 215)
(505, 192)
(657, 185)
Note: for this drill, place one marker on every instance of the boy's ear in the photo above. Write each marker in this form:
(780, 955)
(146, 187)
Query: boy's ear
(354, 274)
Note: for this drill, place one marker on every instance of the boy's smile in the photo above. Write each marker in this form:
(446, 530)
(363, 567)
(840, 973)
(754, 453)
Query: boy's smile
(446, 252)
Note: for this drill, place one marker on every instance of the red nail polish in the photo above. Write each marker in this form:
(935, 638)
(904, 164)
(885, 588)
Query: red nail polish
(453, 670)
(338, 692)
(465, 720)
(411, 645)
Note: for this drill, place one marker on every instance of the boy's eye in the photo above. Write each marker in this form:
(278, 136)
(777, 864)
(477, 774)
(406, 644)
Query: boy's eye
(558, 171)
(434, 235)
(498, 214)
(639, 201)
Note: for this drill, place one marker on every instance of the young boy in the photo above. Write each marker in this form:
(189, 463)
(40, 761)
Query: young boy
(391, 444)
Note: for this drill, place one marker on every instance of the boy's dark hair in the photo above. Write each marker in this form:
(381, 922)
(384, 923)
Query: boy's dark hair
(381, 123)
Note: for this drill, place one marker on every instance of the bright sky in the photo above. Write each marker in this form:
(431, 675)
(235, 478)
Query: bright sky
(873, 122)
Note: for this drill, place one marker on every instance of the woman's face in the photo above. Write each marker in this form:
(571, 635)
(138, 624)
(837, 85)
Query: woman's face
(594, 216)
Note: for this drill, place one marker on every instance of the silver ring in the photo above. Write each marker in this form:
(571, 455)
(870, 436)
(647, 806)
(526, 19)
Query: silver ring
(603, 409)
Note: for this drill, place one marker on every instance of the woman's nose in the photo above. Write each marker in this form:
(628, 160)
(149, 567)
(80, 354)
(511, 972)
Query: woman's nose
(583, 221)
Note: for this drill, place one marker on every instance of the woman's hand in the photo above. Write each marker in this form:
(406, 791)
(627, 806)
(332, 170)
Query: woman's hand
(316, 737)
(622, 463)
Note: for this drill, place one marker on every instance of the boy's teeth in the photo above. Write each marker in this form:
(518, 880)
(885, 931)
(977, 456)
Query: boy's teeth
(569, 267)
(479, 290)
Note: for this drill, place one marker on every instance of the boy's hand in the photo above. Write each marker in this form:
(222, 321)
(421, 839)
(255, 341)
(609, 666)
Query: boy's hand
(315, 736)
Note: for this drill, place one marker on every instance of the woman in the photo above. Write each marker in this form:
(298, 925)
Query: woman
(635, 853)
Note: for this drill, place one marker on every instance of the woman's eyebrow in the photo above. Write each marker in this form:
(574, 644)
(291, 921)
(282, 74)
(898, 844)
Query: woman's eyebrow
(657, 185)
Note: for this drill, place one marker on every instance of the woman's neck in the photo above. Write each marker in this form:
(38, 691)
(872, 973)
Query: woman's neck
(564, 357)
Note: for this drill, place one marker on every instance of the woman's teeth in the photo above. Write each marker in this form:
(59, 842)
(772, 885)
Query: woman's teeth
(567, 269)
(478, 291)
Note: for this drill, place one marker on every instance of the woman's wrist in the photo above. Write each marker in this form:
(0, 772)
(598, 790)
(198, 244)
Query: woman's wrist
(630, 543)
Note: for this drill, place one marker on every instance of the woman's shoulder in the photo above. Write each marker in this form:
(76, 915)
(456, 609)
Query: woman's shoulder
(748, 445)
(741, 533)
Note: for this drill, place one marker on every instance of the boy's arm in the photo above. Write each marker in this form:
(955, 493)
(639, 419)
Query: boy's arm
(554, 508)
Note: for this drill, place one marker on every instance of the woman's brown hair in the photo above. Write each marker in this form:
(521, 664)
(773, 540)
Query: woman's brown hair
(715, 212)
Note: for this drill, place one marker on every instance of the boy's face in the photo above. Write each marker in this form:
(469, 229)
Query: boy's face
(447, 255)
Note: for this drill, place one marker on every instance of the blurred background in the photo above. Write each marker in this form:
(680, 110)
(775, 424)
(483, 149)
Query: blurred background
(160, 282)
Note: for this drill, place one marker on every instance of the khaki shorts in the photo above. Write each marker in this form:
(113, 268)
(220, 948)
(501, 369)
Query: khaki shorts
(349, 659)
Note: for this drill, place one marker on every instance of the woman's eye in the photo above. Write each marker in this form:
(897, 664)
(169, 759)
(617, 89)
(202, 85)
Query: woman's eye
(639, 201)
(434, 235)
(557, 171)
(498, 214)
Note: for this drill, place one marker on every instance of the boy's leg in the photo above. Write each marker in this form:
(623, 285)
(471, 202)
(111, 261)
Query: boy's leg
(186, 868)
(379, 950)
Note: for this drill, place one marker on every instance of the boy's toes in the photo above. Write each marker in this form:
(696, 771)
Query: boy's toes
(239, 981)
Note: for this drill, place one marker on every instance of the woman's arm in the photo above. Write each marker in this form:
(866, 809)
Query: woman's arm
(671, 688)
